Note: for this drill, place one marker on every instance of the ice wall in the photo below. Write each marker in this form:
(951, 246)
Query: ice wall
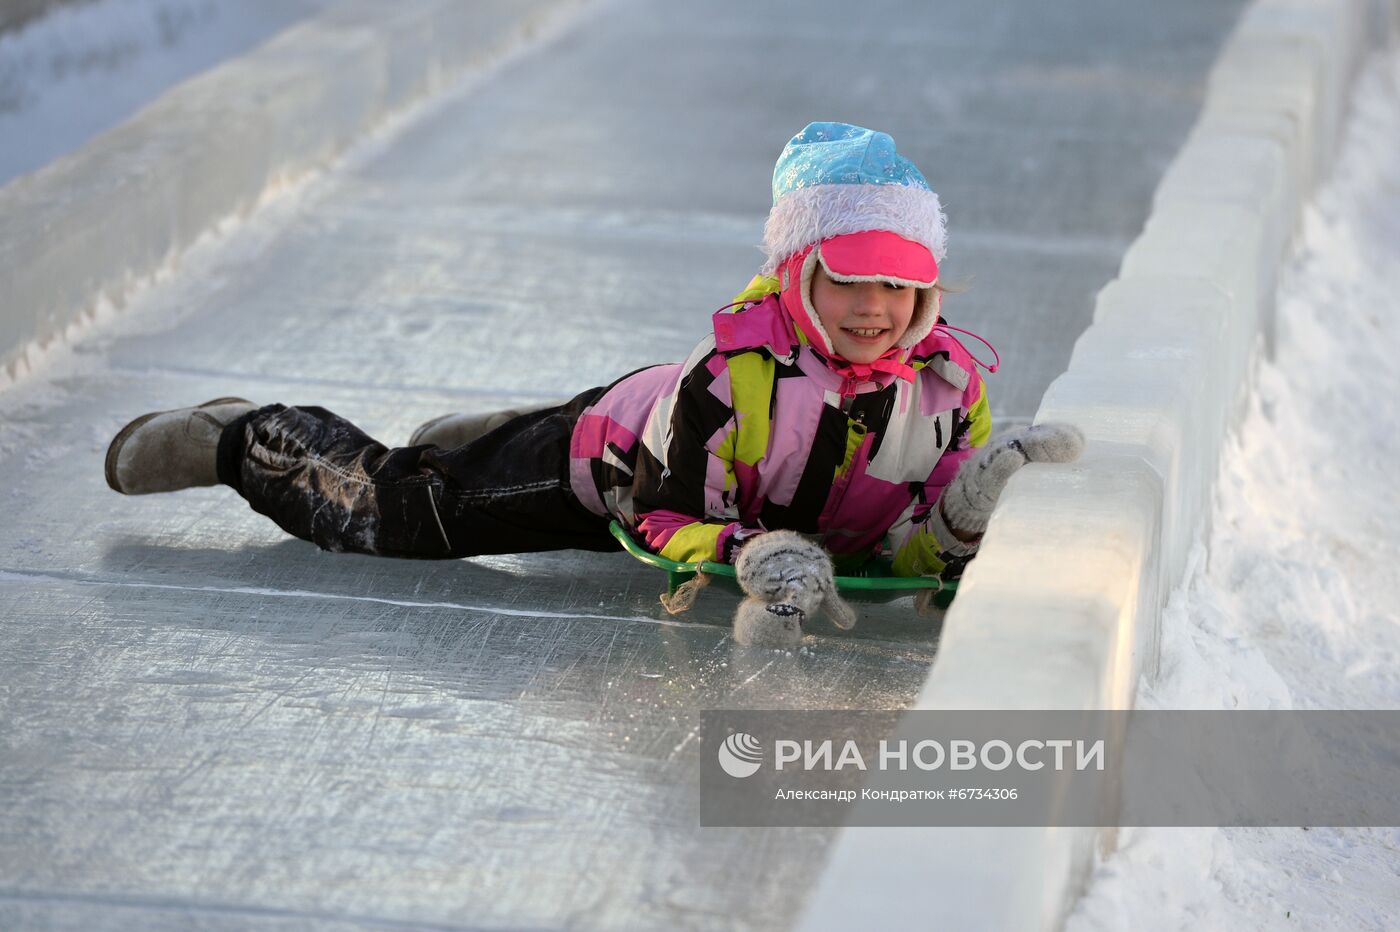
(88, 226)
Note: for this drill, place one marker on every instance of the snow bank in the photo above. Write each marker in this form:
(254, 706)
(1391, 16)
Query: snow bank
(84, 68)
(1062, 608)
(92, 225)
(1293, 602)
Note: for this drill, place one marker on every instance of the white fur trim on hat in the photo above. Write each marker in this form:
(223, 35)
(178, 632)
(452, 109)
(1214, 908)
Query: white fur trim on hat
(819, 212)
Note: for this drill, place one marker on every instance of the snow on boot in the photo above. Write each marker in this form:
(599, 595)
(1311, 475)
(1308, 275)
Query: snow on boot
(168, 450)
(788, 579)
(450, 431)
(968, 501)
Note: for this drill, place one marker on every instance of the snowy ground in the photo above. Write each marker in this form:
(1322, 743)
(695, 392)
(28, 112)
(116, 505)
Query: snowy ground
(83, 68)
(1293, 603)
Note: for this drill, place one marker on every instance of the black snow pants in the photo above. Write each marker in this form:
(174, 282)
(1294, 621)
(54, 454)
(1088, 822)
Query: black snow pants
(324, 480)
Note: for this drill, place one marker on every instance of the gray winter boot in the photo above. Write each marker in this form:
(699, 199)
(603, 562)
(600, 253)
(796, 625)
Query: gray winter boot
(168, 450)
(455, 430)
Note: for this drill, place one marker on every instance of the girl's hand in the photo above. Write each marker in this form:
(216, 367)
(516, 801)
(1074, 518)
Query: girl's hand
(787, 579)
(968, 501)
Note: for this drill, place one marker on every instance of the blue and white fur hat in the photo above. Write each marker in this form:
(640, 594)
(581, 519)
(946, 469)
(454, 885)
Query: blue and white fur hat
(835, 178)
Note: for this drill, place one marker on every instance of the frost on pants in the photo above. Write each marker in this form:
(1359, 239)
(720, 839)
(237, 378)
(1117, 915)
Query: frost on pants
(329, 499)
(321, 478)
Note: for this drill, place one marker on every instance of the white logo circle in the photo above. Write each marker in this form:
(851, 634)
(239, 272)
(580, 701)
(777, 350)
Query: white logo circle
(741, 755)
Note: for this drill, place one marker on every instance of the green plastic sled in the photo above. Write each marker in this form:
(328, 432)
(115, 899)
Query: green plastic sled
(872, 581)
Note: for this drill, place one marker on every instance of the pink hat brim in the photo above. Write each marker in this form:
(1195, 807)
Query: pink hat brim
(878, 254)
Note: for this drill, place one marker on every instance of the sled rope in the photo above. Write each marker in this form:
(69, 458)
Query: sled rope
(685, 595)
(923, 602)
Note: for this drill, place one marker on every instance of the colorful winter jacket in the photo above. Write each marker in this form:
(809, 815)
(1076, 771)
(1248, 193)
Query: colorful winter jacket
(756, 431)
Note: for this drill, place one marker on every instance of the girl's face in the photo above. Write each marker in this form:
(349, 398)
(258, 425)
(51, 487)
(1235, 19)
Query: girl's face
(863, 319)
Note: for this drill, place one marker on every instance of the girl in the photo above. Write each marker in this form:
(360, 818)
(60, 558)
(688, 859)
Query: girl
(826, 404)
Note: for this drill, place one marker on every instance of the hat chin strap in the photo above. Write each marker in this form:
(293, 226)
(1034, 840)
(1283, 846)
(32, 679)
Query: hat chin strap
(920, 324)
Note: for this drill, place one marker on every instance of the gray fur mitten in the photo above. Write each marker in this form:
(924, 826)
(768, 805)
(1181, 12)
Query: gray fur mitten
(968, 500)
(787, 579)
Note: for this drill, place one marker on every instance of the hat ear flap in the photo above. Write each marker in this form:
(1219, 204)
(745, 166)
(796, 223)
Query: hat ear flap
(796, 297)
(926, 307)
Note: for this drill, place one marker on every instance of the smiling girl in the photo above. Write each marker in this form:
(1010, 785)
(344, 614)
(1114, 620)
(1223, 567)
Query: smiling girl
(827, 413)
